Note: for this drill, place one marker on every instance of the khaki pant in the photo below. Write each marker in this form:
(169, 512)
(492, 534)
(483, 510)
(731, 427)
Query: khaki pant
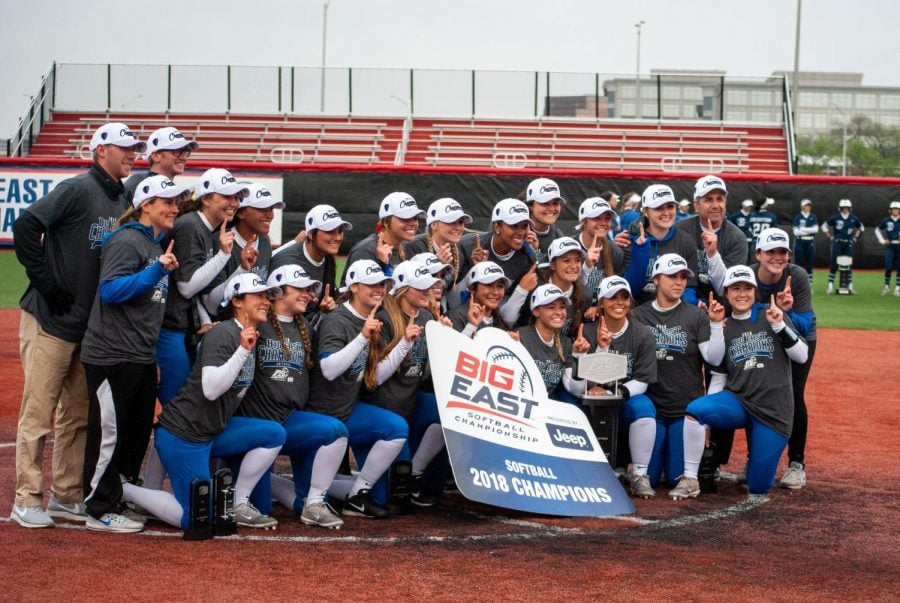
(54, 382)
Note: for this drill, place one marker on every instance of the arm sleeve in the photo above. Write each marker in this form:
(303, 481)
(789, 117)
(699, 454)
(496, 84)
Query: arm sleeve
(802, 321)
(205, 318)
(336, 363)
(203, 275)
(469, 330)
(120, 290)
(391, 362)
(509, 310)
(212, 299)
(635, 387)
(798, 352)
(283, 247)
(716, 382)
(806, 230)
(216, 380)
(716, 272)
(825, 227)
(574, 386)
(879, 236)
(713, 351)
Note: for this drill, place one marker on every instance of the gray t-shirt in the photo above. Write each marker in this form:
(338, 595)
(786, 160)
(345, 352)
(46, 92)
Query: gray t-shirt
(546, 357)
(514, 267)
(280, 383)
(800, 290)
(636, 344)
(758, 371)
(317, 271)
(127, 331)
(337, 398)
(76, 215)
(260, 268)
(194, 246)
(190, 415)
(679, 365)
(398, 392)
(544, 241)
(732, 246)
(366, 250)
(459, 317)
(597, 273)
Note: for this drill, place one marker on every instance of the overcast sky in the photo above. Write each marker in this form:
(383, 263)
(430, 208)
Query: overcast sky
(751, 38)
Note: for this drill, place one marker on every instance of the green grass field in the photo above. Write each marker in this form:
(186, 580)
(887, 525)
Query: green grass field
(868, 310)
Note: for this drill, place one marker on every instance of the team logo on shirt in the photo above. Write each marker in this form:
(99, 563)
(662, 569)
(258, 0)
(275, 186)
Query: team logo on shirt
(357, 369)
(551, 372)
(245, 378)
(271, 358)
(749, 348)
(669, 339)
(99, 229)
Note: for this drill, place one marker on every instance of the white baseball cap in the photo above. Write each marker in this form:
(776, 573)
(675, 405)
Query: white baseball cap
(218, 180)
(293, 275)
(773, 238)
(446, 210)
(118, 134)
(895, 205)
(487, 273)
(564, 245)
(657, 195)
(805, 202)
(594, 207)
(684, 203)
(366, 272)
(546, 294)
(325, 217)
(769, 201)
(739, 274)
(413, 274)
(156, 186)
(543, 190)
(707, 184)
(512, 212)
(431, 261)
(669, 264)
(247, 282)
(611, 285)
(260, 197)
(632, 199)
(747, 203)
(845, 203)
(401, 205)
(169, 139)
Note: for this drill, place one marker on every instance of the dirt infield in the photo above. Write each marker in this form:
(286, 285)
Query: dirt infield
(835, 540)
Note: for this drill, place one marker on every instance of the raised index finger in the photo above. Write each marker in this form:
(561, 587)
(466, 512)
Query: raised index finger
(374, 309)
(787, 284)
(222, 227)
(171, 246)
(477, 241)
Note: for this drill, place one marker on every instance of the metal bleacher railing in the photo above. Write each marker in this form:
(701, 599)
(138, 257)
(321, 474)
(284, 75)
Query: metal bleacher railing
(410, 94)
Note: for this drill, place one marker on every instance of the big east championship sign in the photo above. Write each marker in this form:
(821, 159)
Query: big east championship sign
(509, 444)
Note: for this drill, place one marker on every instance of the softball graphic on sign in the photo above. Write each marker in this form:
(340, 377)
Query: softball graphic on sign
(509, 444)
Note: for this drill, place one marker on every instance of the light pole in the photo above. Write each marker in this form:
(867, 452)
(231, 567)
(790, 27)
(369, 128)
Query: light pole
(637, 71)
(843, 140)
(324, 38)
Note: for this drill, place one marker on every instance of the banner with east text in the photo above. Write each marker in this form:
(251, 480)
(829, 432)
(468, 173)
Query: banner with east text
(509, 444)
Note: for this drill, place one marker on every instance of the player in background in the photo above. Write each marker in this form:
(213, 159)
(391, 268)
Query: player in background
(888, 234)
(545, 203)
(605, 255)
(398, 221)
(119, 351)
(631, 211)
(844, 229)
(57, 239)
(437, 305)
(741, 219)
(686, 336)
(654, 235)
(486, 284)
(349, 344)
(315, 443)
(506, 246)
(806, 225)
(252, 249)
(445, 224)
(550, 348)
(761, 219)
(684, 210)
(750, 389)
(315, 250)
(199, 423)
(167, 154)
(776, 275)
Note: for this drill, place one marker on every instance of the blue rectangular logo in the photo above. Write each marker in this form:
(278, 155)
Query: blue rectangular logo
(569, 437)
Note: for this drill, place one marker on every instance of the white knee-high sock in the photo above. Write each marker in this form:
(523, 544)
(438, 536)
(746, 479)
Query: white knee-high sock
(432, 443)
(253, 467)
(694, 443)
(325, 466)
(283, 491)
(378, 461)
(162, 504)
(641, 437)
(341, 486)
(155, 473)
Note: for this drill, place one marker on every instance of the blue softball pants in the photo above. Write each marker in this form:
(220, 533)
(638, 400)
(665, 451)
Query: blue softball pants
(668, 446)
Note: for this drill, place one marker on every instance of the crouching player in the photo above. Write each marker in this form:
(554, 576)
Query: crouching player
(750, 389)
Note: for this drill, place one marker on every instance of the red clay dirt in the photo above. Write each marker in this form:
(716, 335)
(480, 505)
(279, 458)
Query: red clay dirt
(835, 540)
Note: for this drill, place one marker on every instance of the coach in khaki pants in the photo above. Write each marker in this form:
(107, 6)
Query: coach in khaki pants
(58, 240)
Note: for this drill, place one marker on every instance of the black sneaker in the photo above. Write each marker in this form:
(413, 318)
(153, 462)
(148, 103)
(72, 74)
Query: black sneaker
(417, 496)
(362, 505)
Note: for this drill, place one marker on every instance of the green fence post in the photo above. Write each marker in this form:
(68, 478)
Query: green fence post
(547, 96)
(411, 87)
(722, 99)
(596, 96)
(54, 86)
(108, 86)
(168, 88)
(536, 76)
(658, 96)
(228, 87)
(349, 91)
(279, 89)
(292, 89)
(473, 93)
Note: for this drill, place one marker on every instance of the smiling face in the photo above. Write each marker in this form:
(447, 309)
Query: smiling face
(617, 306)
(552, 315)
(170, 163)
(294, 300)
(741, 297)
(711, 207)
(447, 233)
(365, 297)
(511, 236)
(566, 268)
(401, 229)
(116, 161)
(159, 213)
(220, 208)
(257, 221)
(773, 261)
(545, 214)
(325, 242)
(251, 309)
(661, 218)
(598, 227)
(488, 295)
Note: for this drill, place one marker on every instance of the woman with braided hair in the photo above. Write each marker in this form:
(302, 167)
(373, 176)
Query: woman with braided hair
(315, 443)
(349, 343)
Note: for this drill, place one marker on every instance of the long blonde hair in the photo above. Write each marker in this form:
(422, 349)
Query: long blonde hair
(378, 351)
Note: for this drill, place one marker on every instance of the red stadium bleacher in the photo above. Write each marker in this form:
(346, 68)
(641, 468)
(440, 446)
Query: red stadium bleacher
(545, 144)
